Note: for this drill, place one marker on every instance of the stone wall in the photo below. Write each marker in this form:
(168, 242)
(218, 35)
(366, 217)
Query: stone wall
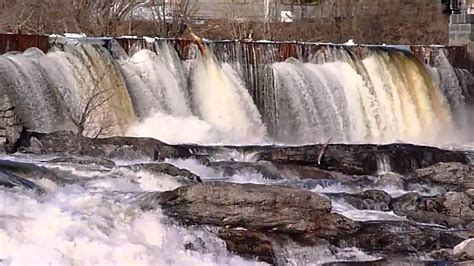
(10, 125)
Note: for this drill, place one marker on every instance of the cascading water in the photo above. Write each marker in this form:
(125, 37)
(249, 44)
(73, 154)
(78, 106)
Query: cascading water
(55, 91)
(101, 88)
(31, 91)
(222, 100)
(387, 96)
(232, 95)
(160, 88)
(217, 105)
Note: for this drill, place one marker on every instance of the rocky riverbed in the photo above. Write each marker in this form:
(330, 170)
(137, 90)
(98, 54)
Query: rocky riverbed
(316, 204)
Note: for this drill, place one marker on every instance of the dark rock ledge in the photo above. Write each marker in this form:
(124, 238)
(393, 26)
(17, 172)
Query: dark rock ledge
(349, 159)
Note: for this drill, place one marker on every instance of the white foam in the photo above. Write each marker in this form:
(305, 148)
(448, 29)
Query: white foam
(89, 225)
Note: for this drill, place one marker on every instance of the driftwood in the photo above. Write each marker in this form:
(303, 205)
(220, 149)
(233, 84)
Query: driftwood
(323, 150)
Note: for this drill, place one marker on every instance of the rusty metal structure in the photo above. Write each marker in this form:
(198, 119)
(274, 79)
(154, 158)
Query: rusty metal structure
(254, 51)
(20, 42)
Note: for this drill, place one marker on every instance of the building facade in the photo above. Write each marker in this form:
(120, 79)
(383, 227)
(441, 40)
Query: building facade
(259, 10)
(461, 23)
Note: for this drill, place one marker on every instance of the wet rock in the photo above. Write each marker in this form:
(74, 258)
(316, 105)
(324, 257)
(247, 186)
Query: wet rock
(363, 159)
(197, 244)
(356, 159)
(307, 172)
(164, 168)
(453, 176)
(11, 127)
(251, 206)
(249, 244)
(399, 237)
(378, 200)
(256, 220)
(465, 249)
(10, 180)
(115, 147)
(350, 159)
(390, 180)
(84, 161)
(453, 209)
(30, 171)
(379, 262)
(230, 168)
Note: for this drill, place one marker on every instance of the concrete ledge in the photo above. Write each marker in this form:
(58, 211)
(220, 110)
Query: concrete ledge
(462, 18)
(461, 27)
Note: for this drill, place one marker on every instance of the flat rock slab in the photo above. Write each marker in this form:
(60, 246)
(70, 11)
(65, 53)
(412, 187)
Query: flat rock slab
(246, 205)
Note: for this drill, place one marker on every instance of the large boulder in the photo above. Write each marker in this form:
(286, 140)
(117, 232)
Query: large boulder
(454, 209)
(465, 249)
(252, 206)
(453, 175)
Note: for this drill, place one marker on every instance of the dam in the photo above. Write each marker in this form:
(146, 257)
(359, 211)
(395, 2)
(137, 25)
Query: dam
(256, 92)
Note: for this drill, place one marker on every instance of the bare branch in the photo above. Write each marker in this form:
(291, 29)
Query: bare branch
(323, 150)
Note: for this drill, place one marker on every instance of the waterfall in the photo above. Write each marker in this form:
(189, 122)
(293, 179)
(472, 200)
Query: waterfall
(31, 90)
(241, 93)
(54, 91)
(154, 85)
(96, 87)
(222, 100)
(387, 96)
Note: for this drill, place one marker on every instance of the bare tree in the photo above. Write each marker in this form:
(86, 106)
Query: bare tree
(244, 21)
(103, 17)
(170, 17)
(89, 118)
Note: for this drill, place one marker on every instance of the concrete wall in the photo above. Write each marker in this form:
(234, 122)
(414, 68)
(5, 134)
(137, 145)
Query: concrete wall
(461, 32)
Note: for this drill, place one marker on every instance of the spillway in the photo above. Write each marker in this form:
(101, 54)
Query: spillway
(240, 94)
